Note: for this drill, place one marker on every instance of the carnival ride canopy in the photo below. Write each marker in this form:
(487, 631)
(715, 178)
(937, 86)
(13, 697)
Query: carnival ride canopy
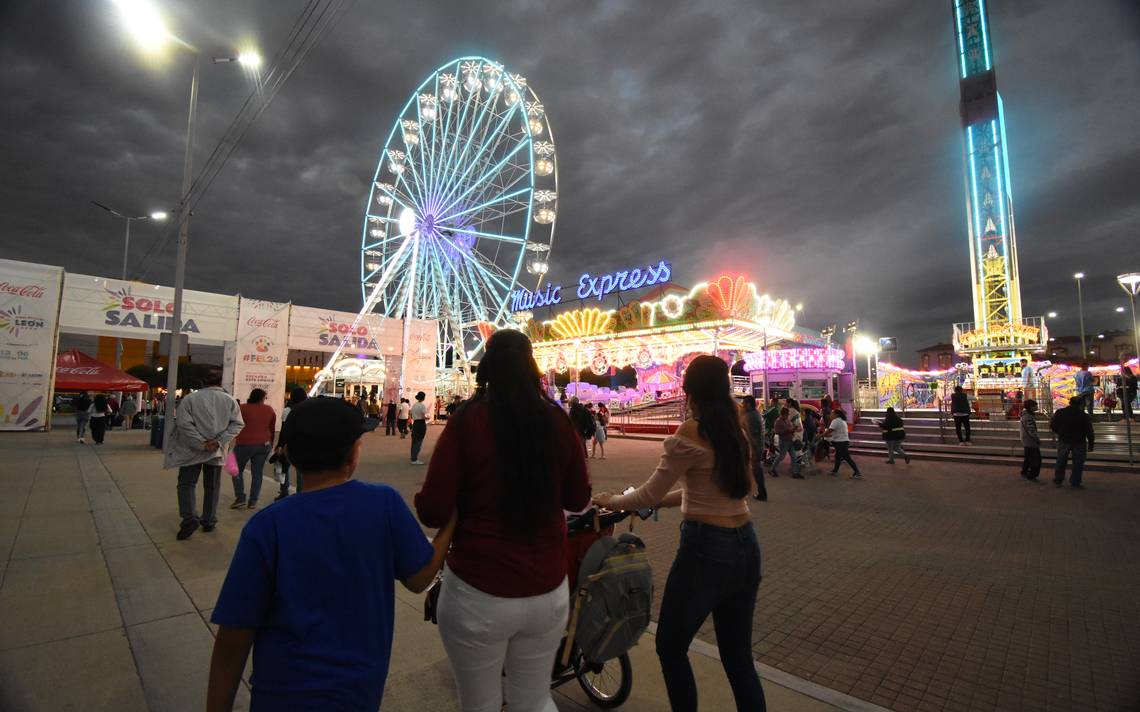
(76, 371)
(725, 314)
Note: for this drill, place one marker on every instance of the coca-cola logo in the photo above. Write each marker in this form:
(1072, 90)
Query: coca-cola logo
(79, 370)
(269, 323)
(34, 291)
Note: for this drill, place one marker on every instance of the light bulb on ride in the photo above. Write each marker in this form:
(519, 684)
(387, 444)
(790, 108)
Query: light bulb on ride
(543, 167)
(407, 221)
(536, 127)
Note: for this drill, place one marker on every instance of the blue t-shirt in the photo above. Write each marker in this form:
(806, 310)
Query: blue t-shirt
(314, 574)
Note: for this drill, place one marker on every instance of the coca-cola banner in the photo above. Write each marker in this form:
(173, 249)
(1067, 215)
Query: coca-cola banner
(326, 330)
(134, 310)
(29, 311)
(262, 348)
(423, 335)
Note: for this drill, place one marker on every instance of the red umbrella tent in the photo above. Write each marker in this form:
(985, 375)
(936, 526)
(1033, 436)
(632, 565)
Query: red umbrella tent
(76, 371)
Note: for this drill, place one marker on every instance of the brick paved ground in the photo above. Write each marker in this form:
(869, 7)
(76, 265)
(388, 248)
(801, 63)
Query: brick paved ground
(930, 586)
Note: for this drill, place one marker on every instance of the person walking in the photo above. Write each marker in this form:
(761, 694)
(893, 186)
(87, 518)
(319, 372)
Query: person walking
(754, 426)
(1030, 440)
(583, 422)
(1074, 429)
(786, 443)
(403, 412)
(129, 410)
(894, 433)
(390, 418)
(509, 462)
(100, 411)
(601, 420)
(1083, 380)
(82, 405)
(311, 585)
(960, 410)
(252, 447)
(1128, 382)
(717, 567)
(418, 413)
(840, 438)
(296, 397)
(205, 423)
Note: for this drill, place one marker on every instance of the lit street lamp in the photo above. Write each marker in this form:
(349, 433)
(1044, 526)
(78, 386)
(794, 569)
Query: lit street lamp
(128, 219)
(868, 347)
(1081, 310)
(1052, 315)
(1130, 283)
(145, 25)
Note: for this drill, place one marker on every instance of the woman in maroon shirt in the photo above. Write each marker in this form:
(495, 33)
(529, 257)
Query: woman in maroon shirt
(510, 462)
(252, 446)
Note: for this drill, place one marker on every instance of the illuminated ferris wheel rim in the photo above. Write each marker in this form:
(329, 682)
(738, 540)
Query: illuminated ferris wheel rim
(481, 279)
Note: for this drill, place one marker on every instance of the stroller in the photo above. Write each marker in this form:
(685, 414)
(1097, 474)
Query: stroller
(607, 684)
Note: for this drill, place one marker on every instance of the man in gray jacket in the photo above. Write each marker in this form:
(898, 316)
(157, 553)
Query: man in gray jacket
(204, 424)
(1030, 440)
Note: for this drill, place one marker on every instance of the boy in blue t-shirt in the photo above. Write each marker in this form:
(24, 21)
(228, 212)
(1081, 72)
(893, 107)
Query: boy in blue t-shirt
(311, 584)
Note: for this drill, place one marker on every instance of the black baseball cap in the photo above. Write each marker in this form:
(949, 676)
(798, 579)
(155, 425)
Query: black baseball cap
(322, 431)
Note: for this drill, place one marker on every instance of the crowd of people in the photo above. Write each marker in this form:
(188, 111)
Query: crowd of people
(505, 472)
(101, 412)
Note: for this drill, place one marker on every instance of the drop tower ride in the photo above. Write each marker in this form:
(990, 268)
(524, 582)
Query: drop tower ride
(999, 336)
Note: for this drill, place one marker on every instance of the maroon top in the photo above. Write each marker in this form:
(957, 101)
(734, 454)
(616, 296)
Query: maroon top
(485, 551)
(260, 422)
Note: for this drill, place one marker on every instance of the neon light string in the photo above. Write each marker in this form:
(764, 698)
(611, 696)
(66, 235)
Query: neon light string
(985, 32)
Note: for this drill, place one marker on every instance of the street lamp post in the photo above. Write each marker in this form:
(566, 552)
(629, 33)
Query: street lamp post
(1081, 314)
(180, 262)
(1130, 283)
(145, 24)
(128, 219)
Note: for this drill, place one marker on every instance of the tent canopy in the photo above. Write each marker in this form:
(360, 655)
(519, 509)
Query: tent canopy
(76, 371)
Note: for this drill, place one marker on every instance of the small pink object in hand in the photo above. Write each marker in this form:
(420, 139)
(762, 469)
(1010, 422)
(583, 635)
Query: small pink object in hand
(231, 464)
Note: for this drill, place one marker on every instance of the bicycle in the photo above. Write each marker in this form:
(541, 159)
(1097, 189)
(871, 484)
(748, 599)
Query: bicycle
(607, 684)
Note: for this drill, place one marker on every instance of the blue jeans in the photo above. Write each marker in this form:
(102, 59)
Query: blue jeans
(717, 571)
(255, 455)
(1078, 452)
(787, 447)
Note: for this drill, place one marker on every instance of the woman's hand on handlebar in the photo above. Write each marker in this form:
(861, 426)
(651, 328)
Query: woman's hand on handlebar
(603, 499)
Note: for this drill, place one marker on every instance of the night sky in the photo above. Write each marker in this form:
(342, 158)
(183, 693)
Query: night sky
(813, 145)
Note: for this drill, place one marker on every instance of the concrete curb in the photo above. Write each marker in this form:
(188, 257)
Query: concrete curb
(807, 688)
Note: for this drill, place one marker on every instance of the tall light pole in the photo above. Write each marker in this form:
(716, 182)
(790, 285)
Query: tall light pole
(146, 26)
(128, 219)
(1130, 283)
(1081, 313)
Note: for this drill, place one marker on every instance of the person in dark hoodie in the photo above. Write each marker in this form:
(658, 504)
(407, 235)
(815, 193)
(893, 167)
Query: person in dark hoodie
(1073, 428)
(893, 433)
(1030, 440)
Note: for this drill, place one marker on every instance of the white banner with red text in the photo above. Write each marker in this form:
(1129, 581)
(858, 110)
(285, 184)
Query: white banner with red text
(135, 310)
(325, 330)
(262, 350)
(423, 335)
(29, 310)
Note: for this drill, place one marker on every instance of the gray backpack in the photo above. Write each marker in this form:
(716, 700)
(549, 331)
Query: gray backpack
(615, 594)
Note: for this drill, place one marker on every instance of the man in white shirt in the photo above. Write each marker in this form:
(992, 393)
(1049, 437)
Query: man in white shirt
(837, 432)
(1028, 380)
(402, 412)
(419, 426)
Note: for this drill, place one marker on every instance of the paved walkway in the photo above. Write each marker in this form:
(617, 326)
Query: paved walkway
(102, 609)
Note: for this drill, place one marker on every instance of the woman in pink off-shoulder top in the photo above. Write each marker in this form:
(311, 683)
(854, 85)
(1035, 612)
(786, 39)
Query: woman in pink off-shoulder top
(717, 568)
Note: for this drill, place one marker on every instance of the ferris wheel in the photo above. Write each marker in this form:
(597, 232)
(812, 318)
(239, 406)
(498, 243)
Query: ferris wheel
(462, 206)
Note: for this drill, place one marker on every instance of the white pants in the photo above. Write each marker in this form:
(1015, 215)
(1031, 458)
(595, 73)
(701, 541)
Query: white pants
(483, 634)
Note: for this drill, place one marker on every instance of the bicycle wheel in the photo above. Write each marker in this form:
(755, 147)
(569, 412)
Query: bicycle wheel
(607, 684)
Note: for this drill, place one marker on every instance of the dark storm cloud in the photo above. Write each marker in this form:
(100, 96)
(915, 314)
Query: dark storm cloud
(812, 145)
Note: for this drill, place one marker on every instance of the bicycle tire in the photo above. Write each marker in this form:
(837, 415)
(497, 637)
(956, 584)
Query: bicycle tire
(601, 698)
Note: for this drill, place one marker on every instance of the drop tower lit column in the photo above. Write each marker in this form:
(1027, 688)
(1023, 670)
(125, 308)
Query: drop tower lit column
(999, 336)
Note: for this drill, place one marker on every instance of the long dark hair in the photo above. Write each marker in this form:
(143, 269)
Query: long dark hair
(709, 390)
(522, 418)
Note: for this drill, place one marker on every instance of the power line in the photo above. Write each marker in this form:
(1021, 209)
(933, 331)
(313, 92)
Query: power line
(311, 24)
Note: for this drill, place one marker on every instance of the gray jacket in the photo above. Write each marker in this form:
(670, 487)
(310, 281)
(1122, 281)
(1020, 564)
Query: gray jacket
(206, 414)
(1028, 428)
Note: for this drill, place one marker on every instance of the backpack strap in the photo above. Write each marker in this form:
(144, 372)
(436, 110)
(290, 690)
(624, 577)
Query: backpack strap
(594, 557)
